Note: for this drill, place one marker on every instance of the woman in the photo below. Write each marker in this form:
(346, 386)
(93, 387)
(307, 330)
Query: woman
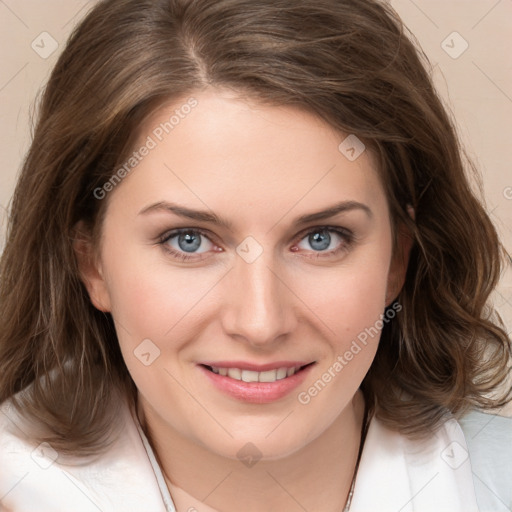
(251, 273)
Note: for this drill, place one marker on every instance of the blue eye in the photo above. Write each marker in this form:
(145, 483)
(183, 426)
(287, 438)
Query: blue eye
(194, 244)
(320, 240)
(325, 241)
(189, 242)
(183, 241)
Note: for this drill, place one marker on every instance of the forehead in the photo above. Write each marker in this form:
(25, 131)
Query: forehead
(229, 152)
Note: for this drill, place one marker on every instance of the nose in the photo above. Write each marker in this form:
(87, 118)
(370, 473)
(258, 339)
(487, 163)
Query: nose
(259, 307)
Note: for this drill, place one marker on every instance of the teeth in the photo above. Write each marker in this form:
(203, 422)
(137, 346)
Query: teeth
(252, 376)
(270, 376)
(235, 373)
(281, 373)
(248, 376)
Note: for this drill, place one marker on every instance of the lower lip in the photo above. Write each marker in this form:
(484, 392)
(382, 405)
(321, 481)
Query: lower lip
(257, 392)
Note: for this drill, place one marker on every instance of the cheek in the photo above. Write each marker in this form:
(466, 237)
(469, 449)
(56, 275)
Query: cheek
(152, 299)
(350, 306)
(350, 298)
(143, 303)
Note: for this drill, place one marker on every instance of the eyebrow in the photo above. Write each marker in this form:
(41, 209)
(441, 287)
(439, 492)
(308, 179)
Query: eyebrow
(210, 217)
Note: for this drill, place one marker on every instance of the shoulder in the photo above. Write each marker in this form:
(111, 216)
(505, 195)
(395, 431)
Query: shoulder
(489, 441)
(431, 474)
(36, 477)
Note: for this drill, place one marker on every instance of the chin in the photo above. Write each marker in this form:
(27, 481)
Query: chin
(266, 444)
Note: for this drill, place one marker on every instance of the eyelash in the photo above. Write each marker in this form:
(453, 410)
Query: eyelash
(347, 236)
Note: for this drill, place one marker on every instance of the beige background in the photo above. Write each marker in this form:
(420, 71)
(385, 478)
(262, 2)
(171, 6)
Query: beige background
(476, 84)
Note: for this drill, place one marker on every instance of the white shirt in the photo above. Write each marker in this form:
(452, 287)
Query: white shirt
(395, 473)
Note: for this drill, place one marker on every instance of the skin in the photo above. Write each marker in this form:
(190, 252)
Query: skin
(260, 167)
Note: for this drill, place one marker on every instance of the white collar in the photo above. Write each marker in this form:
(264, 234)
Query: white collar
(397, 474)
(164, 491)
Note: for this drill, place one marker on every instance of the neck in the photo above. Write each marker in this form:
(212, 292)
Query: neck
(320, 472)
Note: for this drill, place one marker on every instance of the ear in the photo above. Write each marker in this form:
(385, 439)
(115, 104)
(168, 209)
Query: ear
(400, 260)
(90, 268)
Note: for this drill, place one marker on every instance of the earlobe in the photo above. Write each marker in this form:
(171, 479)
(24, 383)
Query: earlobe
(91, 272)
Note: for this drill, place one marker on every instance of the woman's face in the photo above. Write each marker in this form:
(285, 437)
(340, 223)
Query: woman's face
(216, 254)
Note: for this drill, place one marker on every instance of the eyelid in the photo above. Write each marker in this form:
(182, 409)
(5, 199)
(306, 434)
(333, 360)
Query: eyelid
(182, 255)
(177, 231)
(325, 227)
(347, 234)
(337, 229)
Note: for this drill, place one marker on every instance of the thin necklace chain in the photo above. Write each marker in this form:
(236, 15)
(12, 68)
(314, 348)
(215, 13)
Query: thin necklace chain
(364, 431)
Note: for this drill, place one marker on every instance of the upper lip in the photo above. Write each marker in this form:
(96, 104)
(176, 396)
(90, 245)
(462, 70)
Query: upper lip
(244, 365)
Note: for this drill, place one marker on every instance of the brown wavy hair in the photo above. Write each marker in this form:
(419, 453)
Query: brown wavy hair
(354, 65)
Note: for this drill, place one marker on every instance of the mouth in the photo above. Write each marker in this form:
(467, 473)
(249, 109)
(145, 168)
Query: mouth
(253, 383)
(252, 376)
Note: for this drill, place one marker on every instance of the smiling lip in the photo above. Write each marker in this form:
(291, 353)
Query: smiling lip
(256, 392)
(255, 367)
